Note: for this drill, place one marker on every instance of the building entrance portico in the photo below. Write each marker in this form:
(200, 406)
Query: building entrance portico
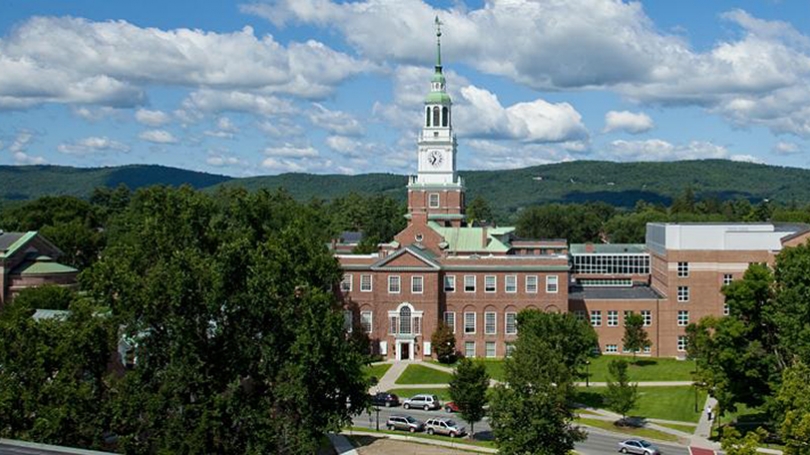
(404, 349)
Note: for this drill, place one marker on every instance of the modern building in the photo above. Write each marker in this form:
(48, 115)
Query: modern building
(477, 278)
(27, 259)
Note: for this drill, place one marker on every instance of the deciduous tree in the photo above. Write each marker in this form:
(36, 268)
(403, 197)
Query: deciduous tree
(621, 394)
(468, 389)
(635, 337)
(444, 343)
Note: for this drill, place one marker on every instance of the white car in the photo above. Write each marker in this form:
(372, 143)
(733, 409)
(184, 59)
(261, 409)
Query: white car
(422, 401)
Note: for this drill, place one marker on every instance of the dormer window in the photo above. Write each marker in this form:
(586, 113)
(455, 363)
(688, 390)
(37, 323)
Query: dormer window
(419, 237)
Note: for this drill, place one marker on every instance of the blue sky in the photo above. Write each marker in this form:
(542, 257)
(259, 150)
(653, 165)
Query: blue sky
(265, 87)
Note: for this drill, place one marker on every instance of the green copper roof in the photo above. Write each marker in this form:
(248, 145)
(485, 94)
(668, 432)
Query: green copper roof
(43, 265)
(470, 239)
(437, 98)
(19, 243)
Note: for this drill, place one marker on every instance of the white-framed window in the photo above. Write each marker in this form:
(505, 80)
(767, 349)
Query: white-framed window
(417, 284)
(469, 283)
(580, 314)
(366, 320)
(625, 349)
(469, 323)
(510, 285)
(511, 323)
(531, 284)
(433, 200)
(613, 318)
(346, 283)
(365, 283)
(647, 315)
(348, 320)
(449, 283)
(596, 318)
(510, 348)
(683, 293)
(393, 284)
(683, 318)
(490, 283)
(726, 310)
(683, 269)
(405, 321)
(490, 349)
(552, 282)
(490, 323)
(611, 348)
(727, 279)
(682, 343)
(647, 349)
(469, 349)
(450, 320)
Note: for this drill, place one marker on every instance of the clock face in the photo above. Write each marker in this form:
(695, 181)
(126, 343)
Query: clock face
(435, 158)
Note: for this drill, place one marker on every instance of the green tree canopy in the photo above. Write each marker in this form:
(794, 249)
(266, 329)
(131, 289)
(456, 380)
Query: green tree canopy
(468, 389)
(444, 343)
(242, 346)
(621, 395)
(539, 376)
(635, 337)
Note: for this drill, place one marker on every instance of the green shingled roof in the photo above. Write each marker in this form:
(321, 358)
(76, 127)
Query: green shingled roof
(470, 239)
(19, 243)
(437, 97)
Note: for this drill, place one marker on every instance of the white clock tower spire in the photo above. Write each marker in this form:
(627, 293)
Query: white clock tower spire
(437, 181)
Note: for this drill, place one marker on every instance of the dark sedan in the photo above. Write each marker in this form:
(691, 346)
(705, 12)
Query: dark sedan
(385, 399)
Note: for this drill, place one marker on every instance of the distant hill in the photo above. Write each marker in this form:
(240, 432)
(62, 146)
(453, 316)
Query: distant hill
(31, 182)
(621, 184)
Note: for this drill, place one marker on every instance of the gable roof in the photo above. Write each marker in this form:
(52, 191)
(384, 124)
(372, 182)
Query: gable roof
(424, 255)
(42, 265)
(10, 242)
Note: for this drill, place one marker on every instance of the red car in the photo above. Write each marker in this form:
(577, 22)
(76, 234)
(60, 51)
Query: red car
(450, 407)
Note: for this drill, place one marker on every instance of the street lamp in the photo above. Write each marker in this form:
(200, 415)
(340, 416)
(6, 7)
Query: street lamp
(587, 373)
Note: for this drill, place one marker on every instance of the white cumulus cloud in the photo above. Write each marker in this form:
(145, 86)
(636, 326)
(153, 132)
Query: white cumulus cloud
(158, 137)
(660, 150)
(152, 118)
(90, 145)
(633, 123)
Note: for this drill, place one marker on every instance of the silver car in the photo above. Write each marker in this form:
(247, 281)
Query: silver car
(422, 401)
(638, 446)
(446, 427)
(404, 423)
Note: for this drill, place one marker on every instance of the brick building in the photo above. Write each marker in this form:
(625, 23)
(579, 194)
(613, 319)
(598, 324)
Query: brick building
(477, 278)
(27, 259)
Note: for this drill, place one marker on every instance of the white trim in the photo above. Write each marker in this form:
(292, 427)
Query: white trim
(438, 204)
(494, 325)
(556, 279)
(444, 283)
(475, 323)
(399, 284)
(506, 323)
(370, 282)
(506, 284)
(536, 284)
(475, 287)
(347, 278)
(494, 284)
(399, 349)
(413, 281)
(370, 320)
(453, 313)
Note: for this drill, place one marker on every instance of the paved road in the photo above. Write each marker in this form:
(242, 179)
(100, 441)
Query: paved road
(598, 442)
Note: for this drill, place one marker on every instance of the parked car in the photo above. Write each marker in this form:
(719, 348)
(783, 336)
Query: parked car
(450, 406)
(638, 446)
(445, 427)
(385, 399)
(422, 401)
(405, 423)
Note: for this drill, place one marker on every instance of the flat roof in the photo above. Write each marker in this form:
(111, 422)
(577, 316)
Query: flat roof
(608, 248)
(636, 292)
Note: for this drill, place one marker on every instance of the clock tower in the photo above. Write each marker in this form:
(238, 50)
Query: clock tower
(436, 193)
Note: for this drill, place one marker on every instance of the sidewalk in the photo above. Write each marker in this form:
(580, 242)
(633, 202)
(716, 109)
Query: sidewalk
(704, 429)
(601, 414)
(341, 444)
(387, 382)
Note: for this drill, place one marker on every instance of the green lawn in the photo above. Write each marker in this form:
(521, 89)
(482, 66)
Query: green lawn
(670, 403)
(645, 368)
(443, 394)
(638, 432)
(685, 428)
(420, 374)
(377, 371)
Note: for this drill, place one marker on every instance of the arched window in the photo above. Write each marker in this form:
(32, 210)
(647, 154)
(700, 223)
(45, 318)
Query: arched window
(405, 320)
(436, 116)
(427, 116)
(445, 116)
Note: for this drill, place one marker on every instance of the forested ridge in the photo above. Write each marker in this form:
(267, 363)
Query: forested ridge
(508, 191)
